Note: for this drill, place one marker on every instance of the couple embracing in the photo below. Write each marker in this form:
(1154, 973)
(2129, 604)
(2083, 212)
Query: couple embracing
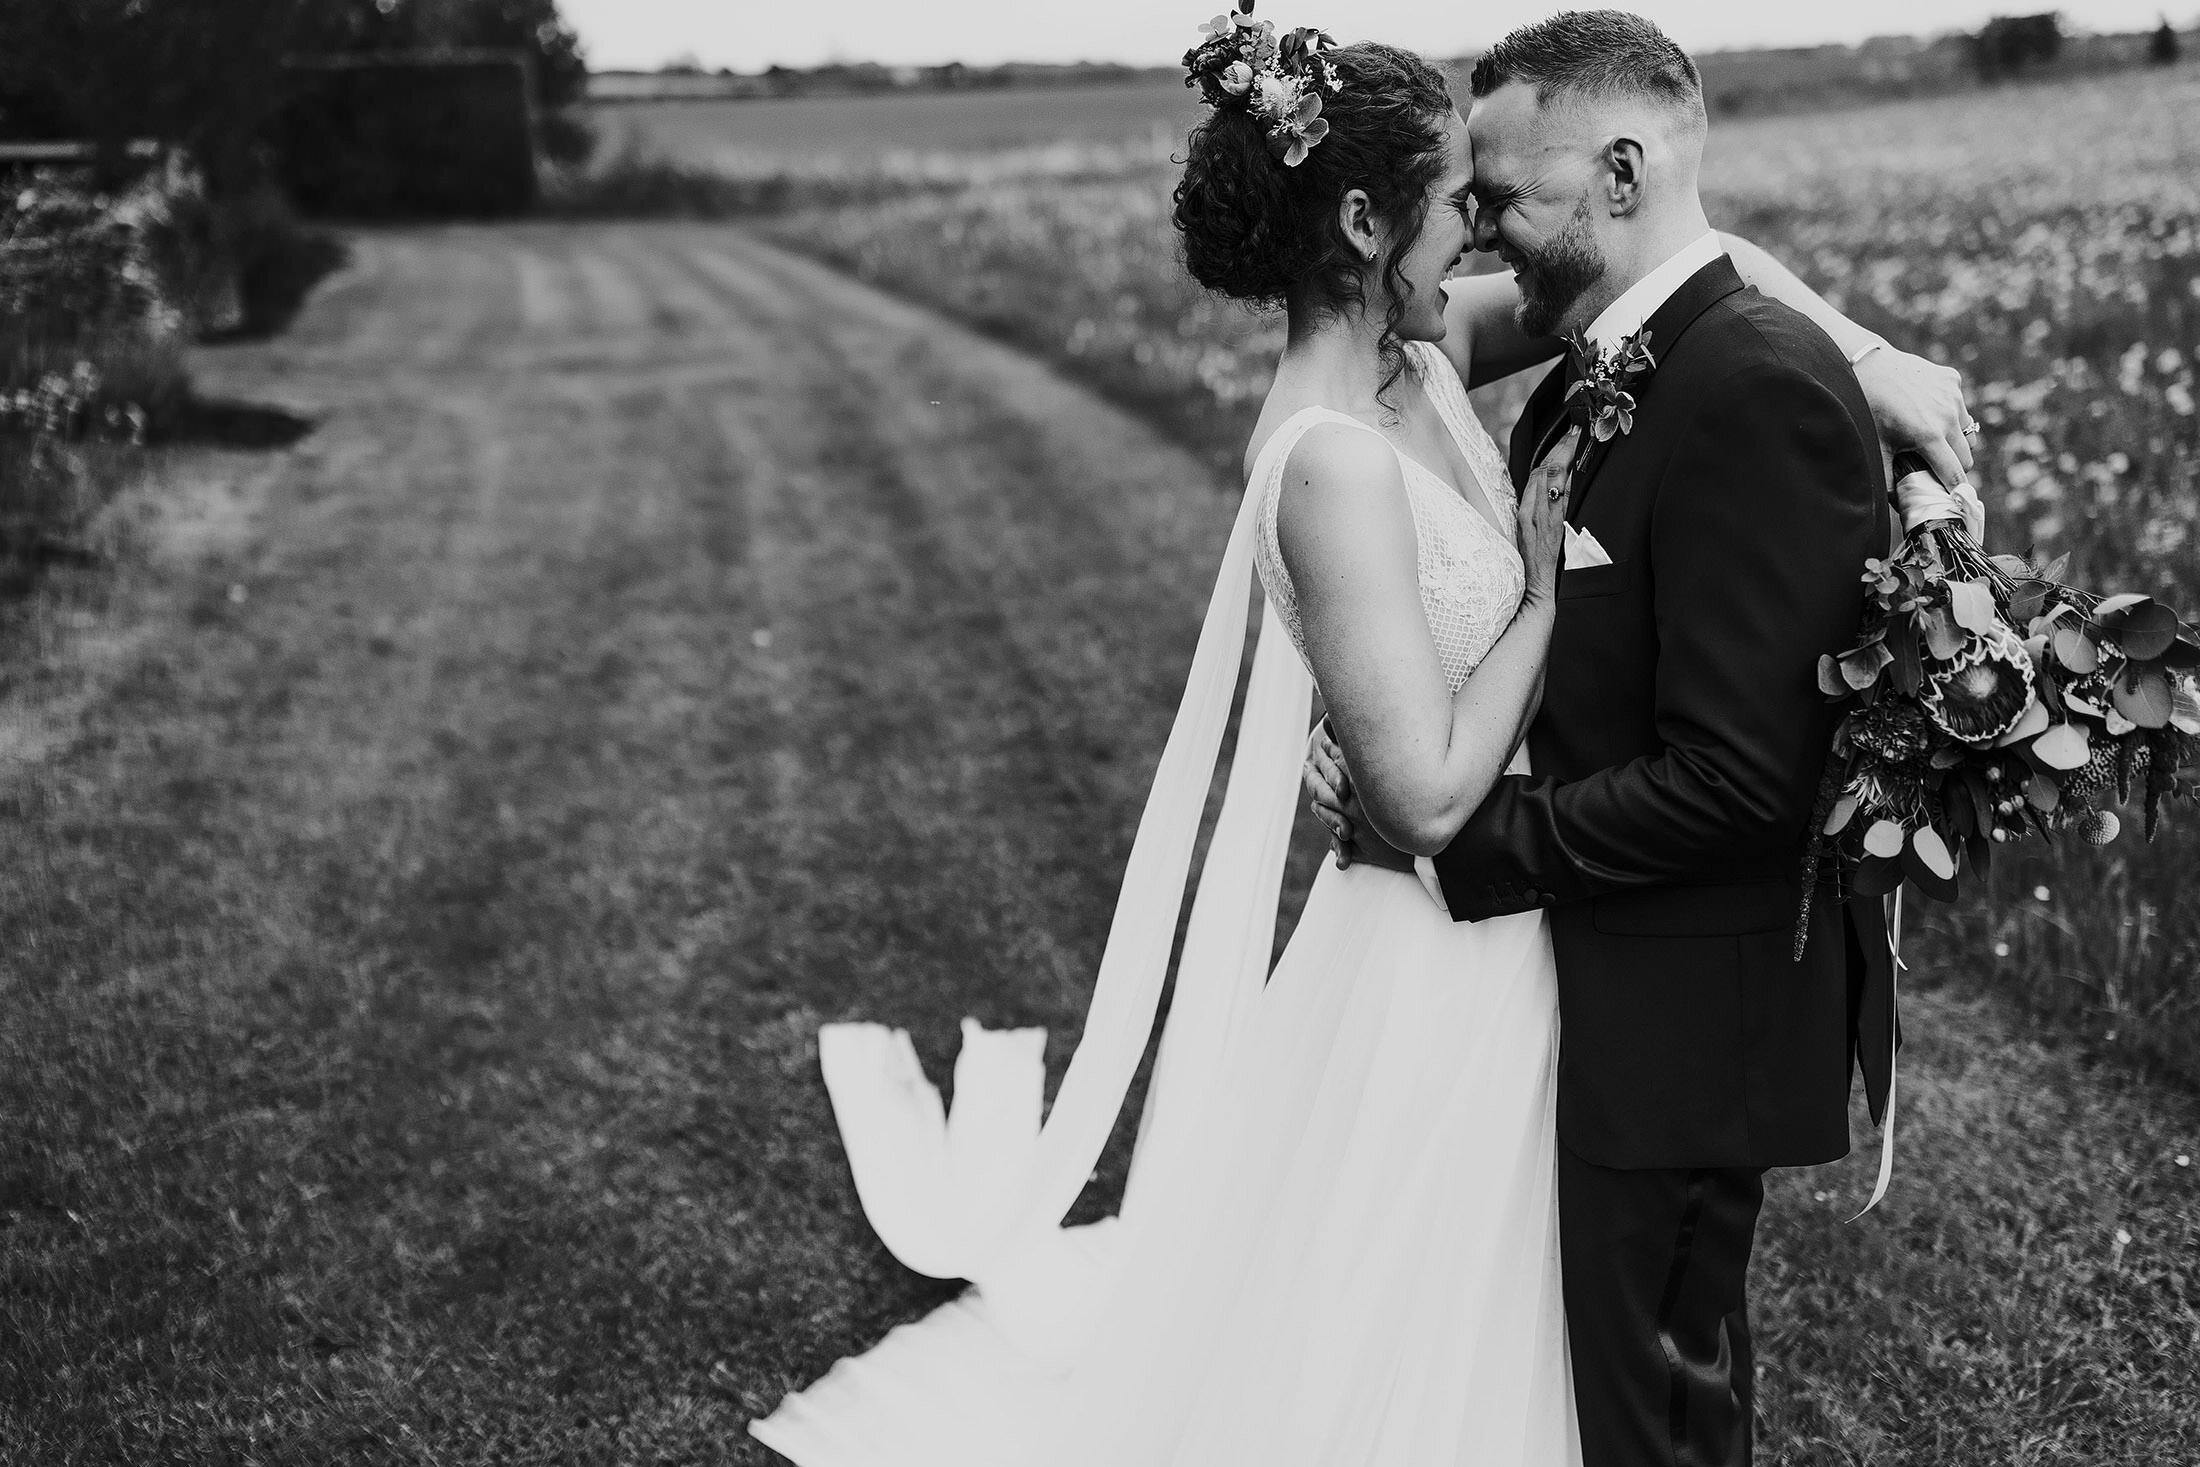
(1380, 1214)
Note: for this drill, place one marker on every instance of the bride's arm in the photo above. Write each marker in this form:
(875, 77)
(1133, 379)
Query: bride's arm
(1421, 759)
(1917, 404)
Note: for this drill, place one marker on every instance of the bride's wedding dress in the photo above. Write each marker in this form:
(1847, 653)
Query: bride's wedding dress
(1339, 1243)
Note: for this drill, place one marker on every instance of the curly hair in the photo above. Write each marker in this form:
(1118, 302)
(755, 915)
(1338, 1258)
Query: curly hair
(1257, 231)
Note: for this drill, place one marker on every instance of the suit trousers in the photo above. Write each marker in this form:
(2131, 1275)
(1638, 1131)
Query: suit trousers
(1656, 1263)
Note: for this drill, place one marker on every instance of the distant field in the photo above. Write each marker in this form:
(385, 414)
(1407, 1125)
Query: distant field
(2044, 238)
(858, 131)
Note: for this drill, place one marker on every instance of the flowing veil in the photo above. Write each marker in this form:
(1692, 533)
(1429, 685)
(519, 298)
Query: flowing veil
(979, 1191)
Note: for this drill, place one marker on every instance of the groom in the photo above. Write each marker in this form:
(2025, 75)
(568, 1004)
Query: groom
(1681, 736)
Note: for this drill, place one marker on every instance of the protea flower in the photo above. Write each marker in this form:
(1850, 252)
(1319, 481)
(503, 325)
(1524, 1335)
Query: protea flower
(1982, 693)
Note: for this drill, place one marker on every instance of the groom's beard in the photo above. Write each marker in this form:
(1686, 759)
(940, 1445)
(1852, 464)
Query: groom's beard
(1558, 274)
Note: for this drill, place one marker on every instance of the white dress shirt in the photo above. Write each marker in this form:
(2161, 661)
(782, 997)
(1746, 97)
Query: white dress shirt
(1640, 301)
(1620, 320)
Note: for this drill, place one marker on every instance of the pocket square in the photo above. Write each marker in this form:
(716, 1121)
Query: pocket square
(1583, 550)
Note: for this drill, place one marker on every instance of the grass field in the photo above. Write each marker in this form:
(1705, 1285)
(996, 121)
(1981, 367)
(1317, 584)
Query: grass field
(429, 856)
(2042, 238)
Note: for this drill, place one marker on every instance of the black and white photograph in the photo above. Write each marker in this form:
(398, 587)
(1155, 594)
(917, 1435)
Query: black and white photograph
(1012, 735)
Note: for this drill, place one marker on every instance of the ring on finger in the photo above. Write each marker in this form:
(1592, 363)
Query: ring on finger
(1971, 430)
(1557, 492)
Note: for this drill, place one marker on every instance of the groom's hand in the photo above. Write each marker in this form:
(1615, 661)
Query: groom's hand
(1919, 404)
(1337, 806)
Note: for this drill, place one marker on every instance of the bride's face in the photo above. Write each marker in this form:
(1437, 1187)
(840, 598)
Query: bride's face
(1446, 232)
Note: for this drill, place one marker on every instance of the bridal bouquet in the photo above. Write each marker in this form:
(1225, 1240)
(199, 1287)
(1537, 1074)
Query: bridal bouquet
(1986, 701)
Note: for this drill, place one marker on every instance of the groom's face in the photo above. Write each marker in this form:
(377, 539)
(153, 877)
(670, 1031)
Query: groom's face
(1532, 187)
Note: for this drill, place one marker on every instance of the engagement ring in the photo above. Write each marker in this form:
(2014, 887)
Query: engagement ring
(1970, 430)
(1558, 492)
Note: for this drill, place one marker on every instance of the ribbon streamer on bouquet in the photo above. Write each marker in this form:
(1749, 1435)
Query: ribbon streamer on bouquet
(1930, 501)
(1894, 1050)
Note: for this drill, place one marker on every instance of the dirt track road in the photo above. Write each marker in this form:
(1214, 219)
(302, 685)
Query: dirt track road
(416, 942)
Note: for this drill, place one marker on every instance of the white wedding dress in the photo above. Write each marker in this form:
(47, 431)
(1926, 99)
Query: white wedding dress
(1339, 1245)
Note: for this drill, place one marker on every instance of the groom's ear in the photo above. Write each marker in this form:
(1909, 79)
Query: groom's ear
(1625, 176)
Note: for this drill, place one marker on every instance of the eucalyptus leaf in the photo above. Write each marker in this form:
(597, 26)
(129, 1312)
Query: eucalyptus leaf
(2146, 631)
(1862, 667)
(1876, 876)
(2064, 746)
(1914, 865)
(1843, 811)
(1972, 605)
(1884, 839)
(1942, 637)
(2076, 702)
(1830, 680)
(2057, 568)
(2042, 793)
(2123, 601)
(2145, 697)
(1933, 851)
(2028, 600)
(2033, 720)
(2075, 650)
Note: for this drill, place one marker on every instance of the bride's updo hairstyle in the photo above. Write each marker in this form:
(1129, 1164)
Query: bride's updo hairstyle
(1260, 231)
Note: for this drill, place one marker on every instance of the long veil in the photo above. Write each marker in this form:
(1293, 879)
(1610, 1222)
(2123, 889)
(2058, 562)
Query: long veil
(974, 1192)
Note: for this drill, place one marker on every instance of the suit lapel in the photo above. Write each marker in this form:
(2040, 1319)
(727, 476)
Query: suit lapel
(1667, 324)
(1541, 421)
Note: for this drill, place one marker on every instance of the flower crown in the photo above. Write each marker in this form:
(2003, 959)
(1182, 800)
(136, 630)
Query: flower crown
(1241, 64)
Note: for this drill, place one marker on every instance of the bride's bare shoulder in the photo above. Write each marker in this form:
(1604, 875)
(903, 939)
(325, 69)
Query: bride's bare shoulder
(1343, 492)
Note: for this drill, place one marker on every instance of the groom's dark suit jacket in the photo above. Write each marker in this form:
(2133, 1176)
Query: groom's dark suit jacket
(1679, 748)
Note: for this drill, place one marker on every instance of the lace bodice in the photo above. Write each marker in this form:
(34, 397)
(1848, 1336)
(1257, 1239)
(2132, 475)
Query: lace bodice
(1471, 573)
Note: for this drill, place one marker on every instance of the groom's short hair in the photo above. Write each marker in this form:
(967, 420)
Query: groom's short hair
(1592, 53)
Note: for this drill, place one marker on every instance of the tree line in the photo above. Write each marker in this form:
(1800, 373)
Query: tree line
(208, 76)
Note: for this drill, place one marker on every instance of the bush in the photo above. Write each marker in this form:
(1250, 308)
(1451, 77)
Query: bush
(272, 258)
(97, 296)
(2012, 44)
(207, 76)
(407, 136)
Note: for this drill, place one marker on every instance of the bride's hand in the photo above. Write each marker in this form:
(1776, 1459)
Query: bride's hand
(1919, 405)
(1541, 523)
(1352, 840)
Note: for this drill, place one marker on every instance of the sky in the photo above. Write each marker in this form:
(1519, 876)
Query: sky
(749, 35)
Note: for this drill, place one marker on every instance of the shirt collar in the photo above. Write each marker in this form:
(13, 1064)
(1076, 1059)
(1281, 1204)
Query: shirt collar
(1625, 316)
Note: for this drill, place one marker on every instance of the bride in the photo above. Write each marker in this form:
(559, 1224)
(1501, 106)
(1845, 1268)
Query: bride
(1338, 1244)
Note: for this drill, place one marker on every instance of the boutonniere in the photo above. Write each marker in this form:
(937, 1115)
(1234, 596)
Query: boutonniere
(1601, 399)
